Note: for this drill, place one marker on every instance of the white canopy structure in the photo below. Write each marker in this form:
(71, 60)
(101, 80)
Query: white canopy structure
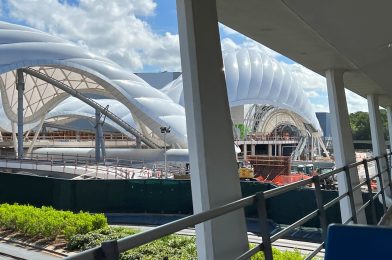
(255, 78)
(54, 61)
(55, 69)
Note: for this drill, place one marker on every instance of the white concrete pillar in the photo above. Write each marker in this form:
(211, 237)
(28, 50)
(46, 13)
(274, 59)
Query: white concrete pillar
(245, 150)
(389, 117)
(376, 127)
(253, 149)
(378, 140)
(269, 149)
(279, 149)
(214, 177)
(342, 142)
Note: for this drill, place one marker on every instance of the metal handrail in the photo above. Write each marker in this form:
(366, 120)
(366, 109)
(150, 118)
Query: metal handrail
(114, 166)
(111, 249)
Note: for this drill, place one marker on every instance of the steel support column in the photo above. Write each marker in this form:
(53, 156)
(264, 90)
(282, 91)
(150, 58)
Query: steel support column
(138, 142)
(214, 175)
(102, 140)
(20, 86)
(343, 143)
(97, 136)
(378, 141)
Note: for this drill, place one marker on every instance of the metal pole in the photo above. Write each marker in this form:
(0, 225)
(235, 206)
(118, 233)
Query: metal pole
(351, 195)
(262, 214)
(102, 140)
(381, 185)
(370, 192)
(320, 206)
(97, 137)
(20, 85)
(164, 141)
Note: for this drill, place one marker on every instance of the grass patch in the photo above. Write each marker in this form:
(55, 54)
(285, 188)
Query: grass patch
(48, 223)
(173, 247)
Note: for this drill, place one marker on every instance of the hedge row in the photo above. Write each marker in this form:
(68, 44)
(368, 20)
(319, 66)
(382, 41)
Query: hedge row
(46, 222)
(172, 247)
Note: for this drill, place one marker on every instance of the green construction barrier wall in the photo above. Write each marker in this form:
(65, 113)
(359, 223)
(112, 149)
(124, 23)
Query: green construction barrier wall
(147, 196)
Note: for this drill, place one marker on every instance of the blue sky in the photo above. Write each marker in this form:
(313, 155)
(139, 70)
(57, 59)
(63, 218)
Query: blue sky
(141, 35)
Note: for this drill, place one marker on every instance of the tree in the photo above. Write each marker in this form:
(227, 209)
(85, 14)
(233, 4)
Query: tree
(360, 125)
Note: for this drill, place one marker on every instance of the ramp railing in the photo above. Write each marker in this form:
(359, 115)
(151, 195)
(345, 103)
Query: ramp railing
(112, 249)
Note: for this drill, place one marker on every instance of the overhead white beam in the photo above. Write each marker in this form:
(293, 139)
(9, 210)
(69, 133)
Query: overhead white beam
(214, 175)
(343, 143)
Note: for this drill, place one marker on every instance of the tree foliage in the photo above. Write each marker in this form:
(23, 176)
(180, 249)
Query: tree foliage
(360, 125)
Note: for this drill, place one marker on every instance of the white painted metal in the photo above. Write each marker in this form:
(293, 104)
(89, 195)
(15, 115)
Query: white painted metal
(212, 160)
(342, 142)
(35, 136)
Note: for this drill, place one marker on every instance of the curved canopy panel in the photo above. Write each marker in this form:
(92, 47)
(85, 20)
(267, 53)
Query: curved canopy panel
(255, 78)
(83, 71)
(73, 107)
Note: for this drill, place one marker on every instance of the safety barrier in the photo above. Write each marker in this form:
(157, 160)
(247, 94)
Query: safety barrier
(108, 167)
(112, 249)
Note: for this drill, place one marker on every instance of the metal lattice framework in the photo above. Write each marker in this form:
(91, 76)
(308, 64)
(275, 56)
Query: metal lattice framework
(82, 71)
(265, 119)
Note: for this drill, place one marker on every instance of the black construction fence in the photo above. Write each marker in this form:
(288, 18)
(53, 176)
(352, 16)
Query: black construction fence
(151, 196)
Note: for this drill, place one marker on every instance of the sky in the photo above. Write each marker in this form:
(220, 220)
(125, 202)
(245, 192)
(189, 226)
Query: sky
(142, 36)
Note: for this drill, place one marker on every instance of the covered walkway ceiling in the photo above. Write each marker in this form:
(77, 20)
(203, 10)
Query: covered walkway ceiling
(351, 35)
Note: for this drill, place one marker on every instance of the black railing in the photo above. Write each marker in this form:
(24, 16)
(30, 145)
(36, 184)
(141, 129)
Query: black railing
(112, 249)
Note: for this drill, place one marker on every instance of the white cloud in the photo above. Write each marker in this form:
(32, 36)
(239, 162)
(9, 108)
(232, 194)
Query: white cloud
(227, 30)
(309, 80)
(228, 44)
(312, 93)
(321, 108)
(355, 102)
(113, 29)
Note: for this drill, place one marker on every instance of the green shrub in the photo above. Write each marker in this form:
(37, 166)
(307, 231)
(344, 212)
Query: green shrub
(280, 255)
(46, 222)
(95, 238)
(173, 247)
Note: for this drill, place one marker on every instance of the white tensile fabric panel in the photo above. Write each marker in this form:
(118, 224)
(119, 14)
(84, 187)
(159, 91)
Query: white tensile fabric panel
(25, 47)
(254, 78)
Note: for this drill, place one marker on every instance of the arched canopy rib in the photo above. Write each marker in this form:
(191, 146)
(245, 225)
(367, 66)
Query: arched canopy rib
(93, 104)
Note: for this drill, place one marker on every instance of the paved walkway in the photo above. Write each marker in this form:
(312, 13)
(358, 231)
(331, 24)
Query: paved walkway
(14, 251)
